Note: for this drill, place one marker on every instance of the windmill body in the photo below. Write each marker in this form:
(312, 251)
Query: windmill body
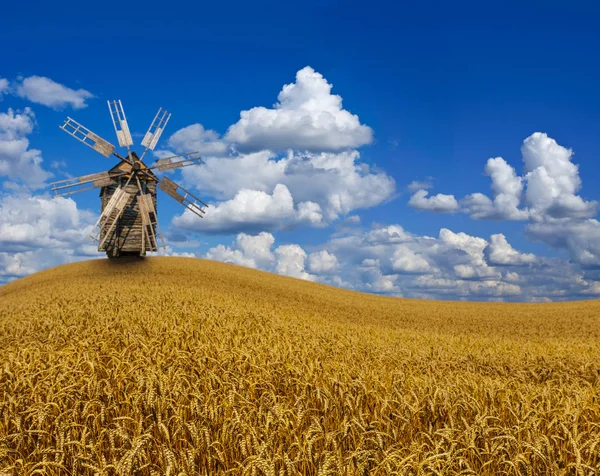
(128, 223)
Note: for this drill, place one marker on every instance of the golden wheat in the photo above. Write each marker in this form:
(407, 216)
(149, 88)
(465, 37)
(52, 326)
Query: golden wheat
(174, 366)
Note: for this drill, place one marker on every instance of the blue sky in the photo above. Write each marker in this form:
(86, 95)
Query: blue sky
(428, 94)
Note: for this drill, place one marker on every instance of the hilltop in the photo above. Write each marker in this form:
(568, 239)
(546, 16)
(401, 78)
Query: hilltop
(182, 365)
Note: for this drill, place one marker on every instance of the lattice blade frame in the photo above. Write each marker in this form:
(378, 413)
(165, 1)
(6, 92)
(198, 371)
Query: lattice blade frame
(149, 220)
(171, 188)
(191, 158)
(156, 129)
(101, 179)
(117, 201)
(83, 134)
(117, 114)
(120, 205)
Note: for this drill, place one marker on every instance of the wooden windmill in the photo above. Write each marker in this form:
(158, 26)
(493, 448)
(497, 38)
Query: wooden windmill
(128, 223)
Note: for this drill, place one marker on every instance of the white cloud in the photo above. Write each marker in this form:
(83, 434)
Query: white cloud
(225, 177)
(580, 237)
(32, 222)
(194, 138)
(3, 87)
(306, 117)
(325, 186)
(539, 299)
(416, 185)
(556, 214)
(500, 252)
(467, 289)
(291, 262)
(228, 255)
(325, 181)
(17, 160)
(550, 179)
(248, 250)
(389, 234)
(255, 252)
(507, 188)
(168, 251)
(251, 210)
(438, 203)
(405, 260)
(451, 266)
(37, 232)
(374, 280)
(18, 265)
(42, 90)
(592, 289)
(553, 180)
(337, 182)
(322, 262)
(465, 253)
(14, 125)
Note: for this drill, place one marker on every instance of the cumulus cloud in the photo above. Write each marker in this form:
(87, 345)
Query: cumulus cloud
(37, 232)
(291, 262)
(194, 138)
(30, 222)
(250, 251)
(169, 251)
(223, 178)
(42, 90)
(325, 187)
(18, 265)
(500, 252)
(17, 159)
(546, 195)
(416, 185)
(306, 117)
(550, 180)
(453, 265)
(507, 187)
(3, 87)
(581, 238)
(252, 210)
(388, 234)
(316, 177)
(593, 289)
(405, 260)
(322, 262)
(553, 180)
(438, 203)
(256, 252)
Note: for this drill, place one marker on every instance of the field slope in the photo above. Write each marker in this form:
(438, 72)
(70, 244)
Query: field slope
(182, 366)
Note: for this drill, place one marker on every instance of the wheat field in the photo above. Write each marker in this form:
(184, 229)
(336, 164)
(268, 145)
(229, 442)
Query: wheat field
(181, 366)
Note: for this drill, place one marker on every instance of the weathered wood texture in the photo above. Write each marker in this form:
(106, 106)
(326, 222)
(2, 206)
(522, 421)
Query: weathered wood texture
(126, 237)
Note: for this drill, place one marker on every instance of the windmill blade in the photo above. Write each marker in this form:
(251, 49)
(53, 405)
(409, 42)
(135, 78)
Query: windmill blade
(117, 114)
(155, 130)
(84, 183)
(108, 219)
(83, 134)
(149, 220)
(192, 203)
(189, 159)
